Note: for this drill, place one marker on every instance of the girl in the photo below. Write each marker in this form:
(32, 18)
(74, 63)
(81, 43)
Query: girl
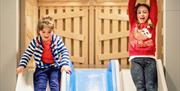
(143, 20)
(50, 55)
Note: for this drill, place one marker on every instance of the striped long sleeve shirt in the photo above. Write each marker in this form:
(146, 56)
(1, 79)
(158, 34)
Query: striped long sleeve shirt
(59, 52)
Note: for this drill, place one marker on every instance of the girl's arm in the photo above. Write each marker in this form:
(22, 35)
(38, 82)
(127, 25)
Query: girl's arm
(131, 11)
(153, 11)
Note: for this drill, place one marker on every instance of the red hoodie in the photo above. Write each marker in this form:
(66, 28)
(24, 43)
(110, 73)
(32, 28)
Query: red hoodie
(143, 41)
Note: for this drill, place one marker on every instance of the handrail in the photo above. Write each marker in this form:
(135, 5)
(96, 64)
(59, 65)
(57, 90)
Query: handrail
(19, 80)
(162, 86)
(24, 82)
(65, 81)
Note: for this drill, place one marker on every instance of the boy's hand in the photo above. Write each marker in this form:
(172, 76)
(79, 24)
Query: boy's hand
(66, 68)
(20, 69)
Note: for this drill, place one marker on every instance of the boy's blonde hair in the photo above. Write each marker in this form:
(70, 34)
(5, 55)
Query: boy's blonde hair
(46, 21)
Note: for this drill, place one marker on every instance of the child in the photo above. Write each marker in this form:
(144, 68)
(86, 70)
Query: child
(50, 55)
(143, 20)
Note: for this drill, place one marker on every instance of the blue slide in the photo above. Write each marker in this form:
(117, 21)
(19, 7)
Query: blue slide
(110, 79)
(92, 79)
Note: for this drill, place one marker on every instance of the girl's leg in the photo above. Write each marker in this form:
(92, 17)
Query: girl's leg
(151, 74)
(137, 74)
(54, 79)
(40, 79)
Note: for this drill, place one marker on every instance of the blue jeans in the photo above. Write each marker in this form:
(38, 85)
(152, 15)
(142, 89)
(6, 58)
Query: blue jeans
(144, 73)
(42, 76)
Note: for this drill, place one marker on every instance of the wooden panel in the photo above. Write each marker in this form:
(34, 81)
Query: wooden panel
(76, 28)
(106, 30)
(115, 31)
(30, 25)
(112, 35)
(85, 31)
(98, 32)
(93, 31)
(71, 24)
(67, 23)
(124, 40)
(42, 11)
(59, 22)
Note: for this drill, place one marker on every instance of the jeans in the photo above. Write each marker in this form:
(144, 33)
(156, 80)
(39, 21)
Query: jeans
(42, 76)
(144, 73)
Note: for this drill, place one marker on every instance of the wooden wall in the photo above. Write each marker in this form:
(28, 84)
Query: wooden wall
(28, 22)
(94, 31)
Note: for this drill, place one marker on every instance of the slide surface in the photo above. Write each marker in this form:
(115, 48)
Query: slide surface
(110, 79)
(92, 80)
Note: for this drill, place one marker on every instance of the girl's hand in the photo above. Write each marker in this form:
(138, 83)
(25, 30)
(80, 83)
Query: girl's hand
(66, 68)
(20, 69)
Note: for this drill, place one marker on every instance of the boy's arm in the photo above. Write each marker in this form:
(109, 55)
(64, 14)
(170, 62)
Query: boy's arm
(131, 10)
(27, 54)
(65, 60)
(153, 11)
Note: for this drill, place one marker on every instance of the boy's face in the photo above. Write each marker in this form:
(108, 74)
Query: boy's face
(46, 34)
(142, 14)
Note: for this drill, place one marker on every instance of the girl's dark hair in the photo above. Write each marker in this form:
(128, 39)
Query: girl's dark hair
(46, 21)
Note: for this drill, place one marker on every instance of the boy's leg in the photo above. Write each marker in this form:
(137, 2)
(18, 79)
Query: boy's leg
(40, 79)
(54, 79)
(151, 74)
(137, 74)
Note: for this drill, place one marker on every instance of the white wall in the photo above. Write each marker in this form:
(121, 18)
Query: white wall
(8, 44)
(172, 44)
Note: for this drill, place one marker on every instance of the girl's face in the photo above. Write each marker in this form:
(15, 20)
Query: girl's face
(142, 14)
(46, 33)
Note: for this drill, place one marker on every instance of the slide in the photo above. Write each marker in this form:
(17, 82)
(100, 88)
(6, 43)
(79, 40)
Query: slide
(110, 79)
(92, 79)
(128, 84)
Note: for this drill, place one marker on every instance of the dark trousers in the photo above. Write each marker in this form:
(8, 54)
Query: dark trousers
(42, 76)
(144, 73)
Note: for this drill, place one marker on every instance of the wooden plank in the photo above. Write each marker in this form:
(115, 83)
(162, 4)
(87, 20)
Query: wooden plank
(68, 30)
(106, 31)
(77, 60)
(42, 11)
(113, 56)
(159, 31)
(107, 4)
(59, 25)
(91, 35)
(124, 41)
(51, 11)
(98, 32)
(85, 34)
(79, 4)
(76, 29)
(71, 35)
(69, 15)
(62, 3)
(30, 25)
(114, 17)
(115, 31)
(123, 34)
